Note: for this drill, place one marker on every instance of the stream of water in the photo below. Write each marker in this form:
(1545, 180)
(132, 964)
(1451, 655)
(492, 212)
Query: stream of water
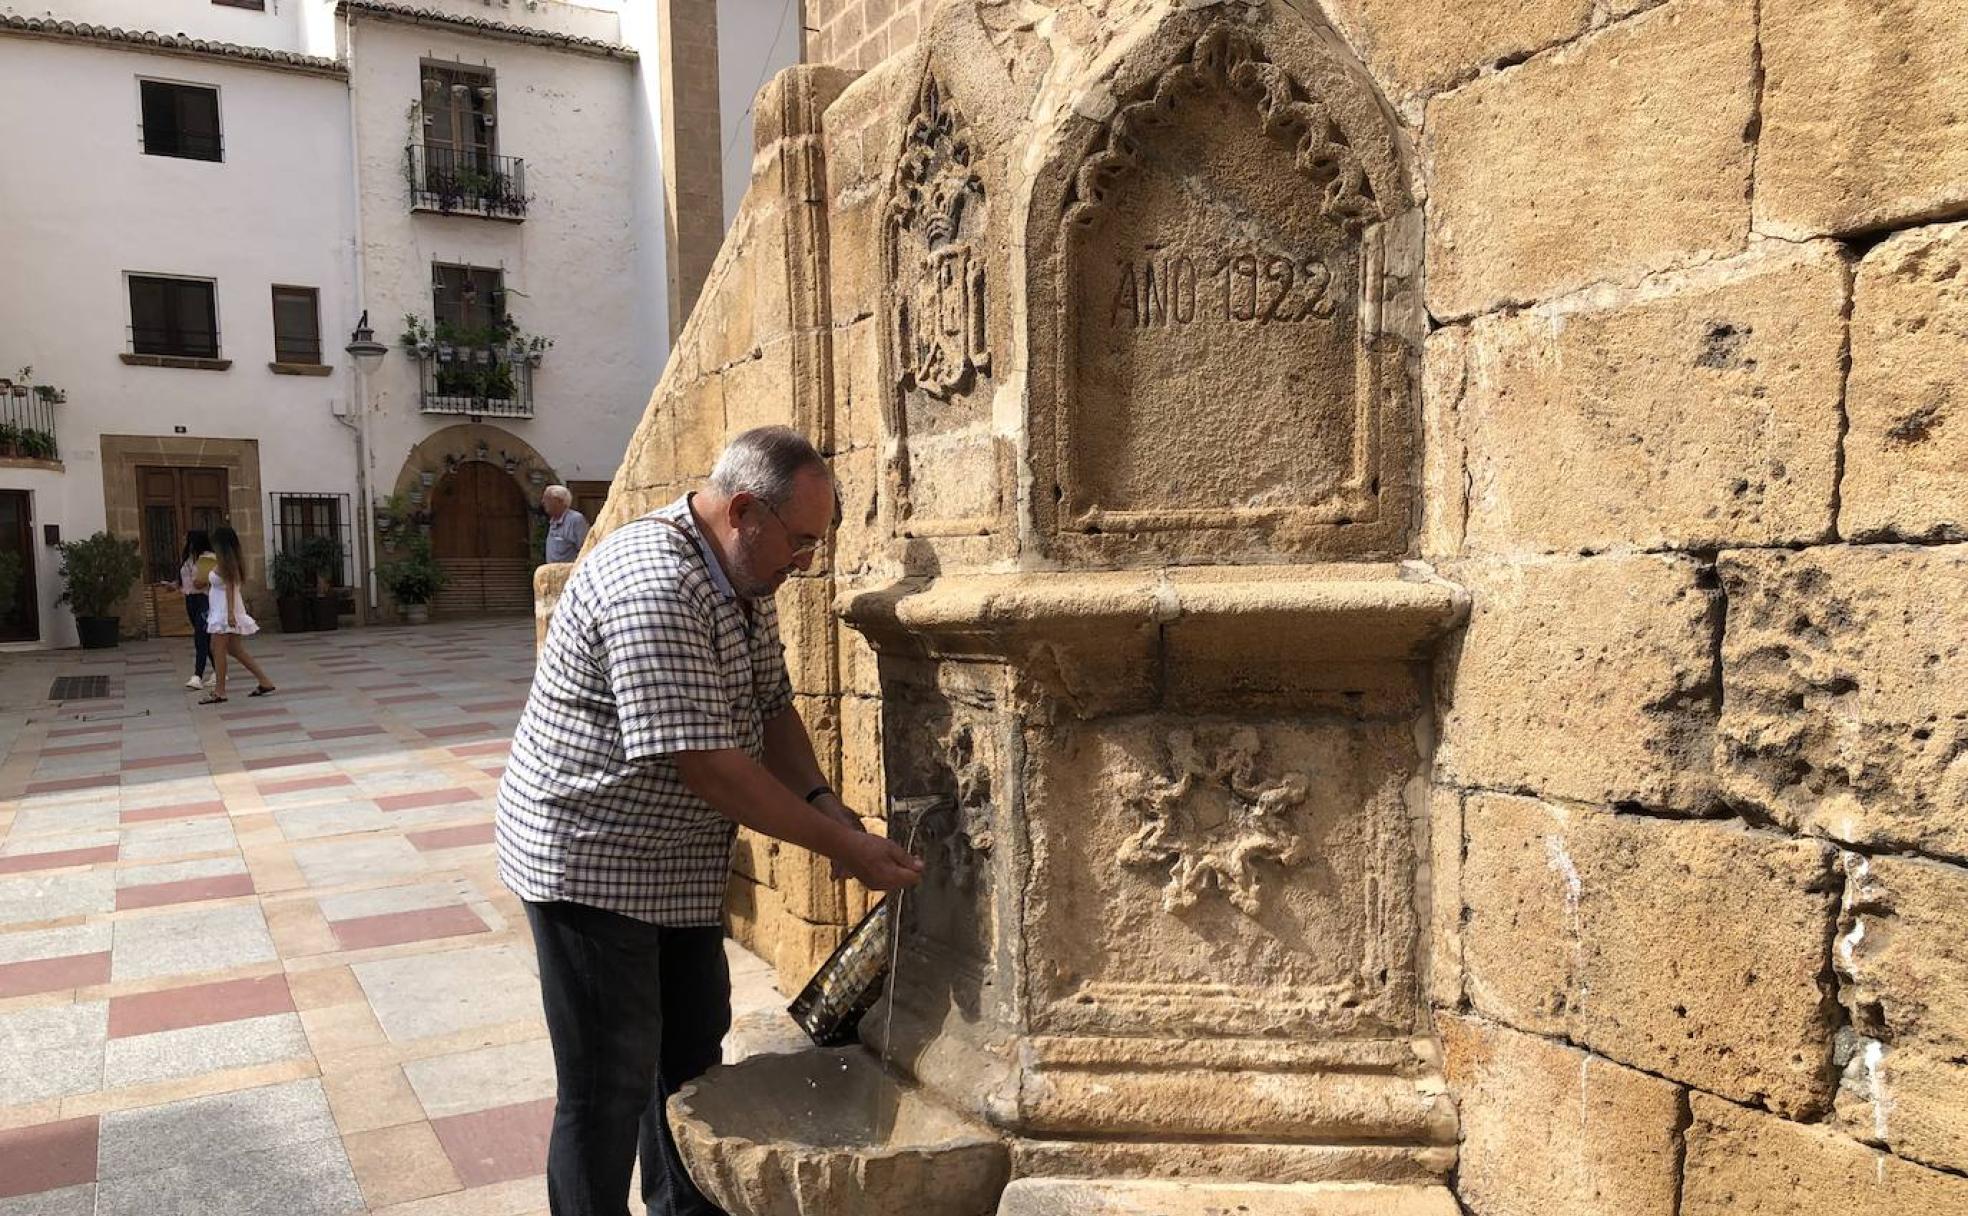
(888, 998)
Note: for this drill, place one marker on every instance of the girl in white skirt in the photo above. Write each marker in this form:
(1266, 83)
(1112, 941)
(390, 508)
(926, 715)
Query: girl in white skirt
(227, 620)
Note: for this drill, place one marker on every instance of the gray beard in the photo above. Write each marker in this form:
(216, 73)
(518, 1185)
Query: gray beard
(742, 551)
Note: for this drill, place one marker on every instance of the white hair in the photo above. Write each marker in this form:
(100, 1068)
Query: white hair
(565, 495)
(765, 462)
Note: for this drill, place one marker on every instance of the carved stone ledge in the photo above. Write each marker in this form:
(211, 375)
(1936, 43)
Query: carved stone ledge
(1341, 611)
(300, 369)
(1101, 643)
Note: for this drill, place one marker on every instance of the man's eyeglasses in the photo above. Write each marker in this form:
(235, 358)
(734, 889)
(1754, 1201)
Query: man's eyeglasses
(801, 548)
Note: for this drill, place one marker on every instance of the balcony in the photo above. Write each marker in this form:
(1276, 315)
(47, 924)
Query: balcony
(27, 423)
(468, 182)
(477, 381)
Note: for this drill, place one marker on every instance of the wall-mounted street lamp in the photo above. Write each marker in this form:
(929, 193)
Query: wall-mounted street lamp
(363, 347)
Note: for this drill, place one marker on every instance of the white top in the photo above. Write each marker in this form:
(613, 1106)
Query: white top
(228, 612)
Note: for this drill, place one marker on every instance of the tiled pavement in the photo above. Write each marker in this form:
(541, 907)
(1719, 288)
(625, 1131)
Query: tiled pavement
(254, 958)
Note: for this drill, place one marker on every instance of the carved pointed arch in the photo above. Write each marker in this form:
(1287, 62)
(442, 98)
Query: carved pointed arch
(1223, 349)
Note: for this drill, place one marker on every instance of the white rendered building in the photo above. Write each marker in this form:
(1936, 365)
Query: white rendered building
(203, 197)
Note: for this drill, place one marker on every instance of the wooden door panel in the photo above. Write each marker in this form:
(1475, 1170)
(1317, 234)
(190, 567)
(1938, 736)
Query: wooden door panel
(174, 500)
(480, 534)
(20, 620)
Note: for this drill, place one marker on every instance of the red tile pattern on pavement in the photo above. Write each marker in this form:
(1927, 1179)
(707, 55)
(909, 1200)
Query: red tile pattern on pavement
(57, 858)
(186, 810)
(410, 801)
(451, 838)
(198, 1005)
(421, 925)
(183, 891)
(48, 1156)
(495, 1145)
(31, 976)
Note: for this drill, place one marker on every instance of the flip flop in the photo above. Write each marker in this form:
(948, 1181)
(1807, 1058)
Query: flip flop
(210, 699)
(262, 691)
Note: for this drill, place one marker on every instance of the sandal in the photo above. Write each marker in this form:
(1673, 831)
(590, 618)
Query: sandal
(211, 698)
(262, 691)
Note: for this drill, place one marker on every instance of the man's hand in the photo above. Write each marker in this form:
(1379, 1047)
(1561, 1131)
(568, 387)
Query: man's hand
(879, 863)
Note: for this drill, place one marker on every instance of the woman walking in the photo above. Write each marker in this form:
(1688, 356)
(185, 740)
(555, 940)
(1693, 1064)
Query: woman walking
(194, 573)
(227, 619)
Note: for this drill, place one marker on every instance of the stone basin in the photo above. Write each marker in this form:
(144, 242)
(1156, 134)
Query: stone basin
(829, 1133)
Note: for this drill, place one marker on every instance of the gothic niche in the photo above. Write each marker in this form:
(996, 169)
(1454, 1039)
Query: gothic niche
(1223, 368)
(937, 334)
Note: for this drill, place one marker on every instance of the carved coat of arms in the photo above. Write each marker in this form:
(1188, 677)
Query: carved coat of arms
(939, 306)
(1211, 819)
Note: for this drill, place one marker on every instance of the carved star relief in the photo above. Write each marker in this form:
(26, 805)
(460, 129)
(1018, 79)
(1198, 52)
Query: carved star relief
(1211, 820)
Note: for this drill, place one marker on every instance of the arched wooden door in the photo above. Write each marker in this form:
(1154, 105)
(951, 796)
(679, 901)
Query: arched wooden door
(481, 535)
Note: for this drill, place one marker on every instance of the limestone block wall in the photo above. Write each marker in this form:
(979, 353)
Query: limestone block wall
(1693, 439)
(1697, 448)
(859, 34)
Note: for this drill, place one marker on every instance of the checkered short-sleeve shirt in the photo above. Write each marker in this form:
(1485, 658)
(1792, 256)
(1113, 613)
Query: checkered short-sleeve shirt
(650, 653)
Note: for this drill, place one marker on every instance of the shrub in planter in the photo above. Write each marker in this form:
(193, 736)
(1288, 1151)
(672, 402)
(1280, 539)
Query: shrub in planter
(97, 572)
(292, 583)
(414, 578)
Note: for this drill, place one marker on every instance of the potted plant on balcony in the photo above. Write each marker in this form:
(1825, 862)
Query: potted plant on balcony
(292, 583)
(36, 444)
(416, 337)
(97, 572)
(414, 578)
(323, 559)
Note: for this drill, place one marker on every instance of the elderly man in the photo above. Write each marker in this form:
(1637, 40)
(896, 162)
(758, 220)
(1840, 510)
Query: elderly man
(566, 527)
(661, 718)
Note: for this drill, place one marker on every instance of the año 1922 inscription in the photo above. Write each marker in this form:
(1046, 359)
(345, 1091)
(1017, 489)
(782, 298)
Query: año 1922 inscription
(1160, 288)
(1222, 262)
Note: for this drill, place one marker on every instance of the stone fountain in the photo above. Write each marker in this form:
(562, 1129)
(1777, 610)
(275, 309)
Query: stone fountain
(1154, 667)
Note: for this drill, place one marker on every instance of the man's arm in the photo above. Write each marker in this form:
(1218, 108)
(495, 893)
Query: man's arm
(742, 790)
(789, 754)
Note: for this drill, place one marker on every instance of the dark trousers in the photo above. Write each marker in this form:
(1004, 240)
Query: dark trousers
(634, 1011)
(196, 606)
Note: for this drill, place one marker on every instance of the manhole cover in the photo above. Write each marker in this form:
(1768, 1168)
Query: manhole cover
(78, 688)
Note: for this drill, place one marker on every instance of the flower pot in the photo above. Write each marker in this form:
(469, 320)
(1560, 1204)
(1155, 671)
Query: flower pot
(417, 614)
(293, 613)
(97, 632)
(323, 612)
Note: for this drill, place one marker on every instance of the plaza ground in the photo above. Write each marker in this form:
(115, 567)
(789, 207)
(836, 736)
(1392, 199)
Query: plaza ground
(254, 957)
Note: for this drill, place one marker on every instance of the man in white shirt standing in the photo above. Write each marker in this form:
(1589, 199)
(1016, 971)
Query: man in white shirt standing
(566, 527)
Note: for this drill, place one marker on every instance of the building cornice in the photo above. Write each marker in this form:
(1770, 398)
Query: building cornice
(180, 45)
(505, 31)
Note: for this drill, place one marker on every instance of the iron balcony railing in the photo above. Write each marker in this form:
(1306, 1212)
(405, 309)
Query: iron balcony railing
(466, 180)
(481, 381)
(27, 421)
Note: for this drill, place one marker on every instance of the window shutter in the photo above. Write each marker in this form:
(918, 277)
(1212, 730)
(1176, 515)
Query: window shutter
(198, 121)
(296, 325)
(196, 319)
(160, 119)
